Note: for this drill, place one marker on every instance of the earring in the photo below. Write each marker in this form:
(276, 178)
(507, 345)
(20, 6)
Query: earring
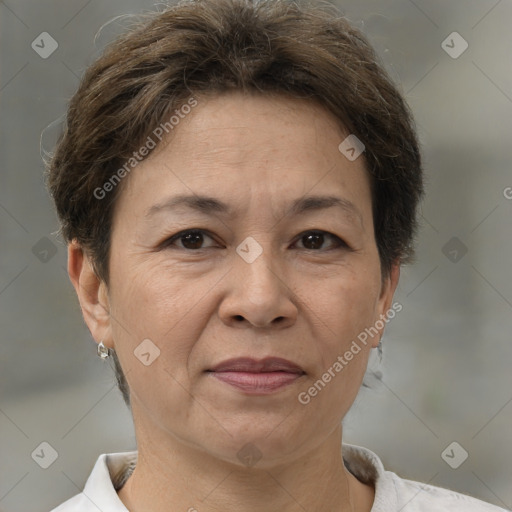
(379, 350)
(103, 351)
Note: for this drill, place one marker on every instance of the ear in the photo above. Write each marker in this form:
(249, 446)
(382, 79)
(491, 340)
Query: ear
(92, 294)
(385, 300)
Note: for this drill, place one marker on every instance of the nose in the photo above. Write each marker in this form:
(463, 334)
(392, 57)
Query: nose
(259, 294)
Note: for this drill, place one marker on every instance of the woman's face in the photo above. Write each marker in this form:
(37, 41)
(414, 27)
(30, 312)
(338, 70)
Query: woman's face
(253, 283)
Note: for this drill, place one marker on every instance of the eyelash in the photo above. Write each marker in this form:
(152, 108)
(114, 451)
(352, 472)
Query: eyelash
(169, 242)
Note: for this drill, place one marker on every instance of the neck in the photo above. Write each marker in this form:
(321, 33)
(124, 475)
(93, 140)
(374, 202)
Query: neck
(171, 473)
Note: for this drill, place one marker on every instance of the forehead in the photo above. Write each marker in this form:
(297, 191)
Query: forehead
(250, 149)
(241, 126)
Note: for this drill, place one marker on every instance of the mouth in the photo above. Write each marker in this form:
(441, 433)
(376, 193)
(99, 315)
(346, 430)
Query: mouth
(258, 377)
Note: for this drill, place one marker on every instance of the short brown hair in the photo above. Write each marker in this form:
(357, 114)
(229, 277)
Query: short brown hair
(213, 46)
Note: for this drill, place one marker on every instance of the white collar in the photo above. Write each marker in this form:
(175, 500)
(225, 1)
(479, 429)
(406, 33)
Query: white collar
(100, 489)
(392, 493)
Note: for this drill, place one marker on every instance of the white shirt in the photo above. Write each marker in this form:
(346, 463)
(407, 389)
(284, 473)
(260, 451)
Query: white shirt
(392, 493)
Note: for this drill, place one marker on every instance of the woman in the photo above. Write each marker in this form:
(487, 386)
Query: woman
(238, 184)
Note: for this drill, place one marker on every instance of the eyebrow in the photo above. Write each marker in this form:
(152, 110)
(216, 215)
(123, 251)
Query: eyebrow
(210, 205)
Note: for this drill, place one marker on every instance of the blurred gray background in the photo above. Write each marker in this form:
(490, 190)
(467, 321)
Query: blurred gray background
(447, 356)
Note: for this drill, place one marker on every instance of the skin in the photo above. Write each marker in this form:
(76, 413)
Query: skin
(297, 300)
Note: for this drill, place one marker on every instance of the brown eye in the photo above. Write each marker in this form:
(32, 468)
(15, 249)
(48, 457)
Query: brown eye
(314, 240)
(191, 239)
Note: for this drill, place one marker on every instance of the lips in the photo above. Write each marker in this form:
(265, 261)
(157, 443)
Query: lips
(257, 383)
(249, 365)
(257, 377)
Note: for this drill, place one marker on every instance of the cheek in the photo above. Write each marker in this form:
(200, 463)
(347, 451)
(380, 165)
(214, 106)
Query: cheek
(144, 292)
(344, 309)
(349, 305)
(337, 380)
(169, 307)
(155, 330)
